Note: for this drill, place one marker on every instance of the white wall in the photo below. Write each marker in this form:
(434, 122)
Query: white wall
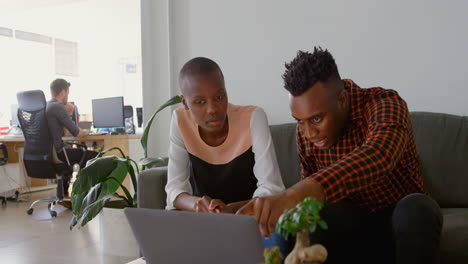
(415, 47)
(108, 36)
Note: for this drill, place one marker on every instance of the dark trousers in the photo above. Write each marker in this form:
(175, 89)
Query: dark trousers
(75, 156)
(408, 232)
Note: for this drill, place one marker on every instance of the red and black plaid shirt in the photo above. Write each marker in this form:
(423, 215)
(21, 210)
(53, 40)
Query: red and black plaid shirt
(374, 162)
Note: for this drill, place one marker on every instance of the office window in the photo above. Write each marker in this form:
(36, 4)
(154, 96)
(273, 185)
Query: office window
(7, 32)
(40, 44)
(66, 58)
(30, 36)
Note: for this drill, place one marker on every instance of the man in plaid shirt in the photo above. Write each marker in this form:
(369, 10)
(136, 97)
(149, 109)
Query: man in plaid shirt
(357, 155)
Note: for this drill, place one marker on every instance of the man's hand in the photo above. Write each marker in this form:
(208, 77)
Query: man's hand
(70, 108)
(232, 208)
(83, 132)
(267, 210)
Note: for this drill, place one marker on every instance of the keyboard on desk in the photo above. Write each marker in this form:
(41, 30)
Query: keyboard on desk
(97, 134)
(14, 132)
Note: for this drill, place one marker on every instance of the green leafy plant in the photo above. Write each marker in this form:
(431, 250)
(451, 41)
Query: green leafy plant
(304, 216)
(272, 255)
(98, 182)
(299, 222)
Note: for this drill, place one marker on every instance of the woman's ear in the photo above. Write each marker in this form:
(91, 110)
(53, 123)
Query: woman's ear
(184, 102)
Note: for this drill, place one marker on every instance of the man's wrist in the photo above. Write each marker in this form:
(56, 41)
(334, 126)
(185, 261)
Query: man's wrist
(234, 207)
(229, 209)
(305, 188)
(293, 195)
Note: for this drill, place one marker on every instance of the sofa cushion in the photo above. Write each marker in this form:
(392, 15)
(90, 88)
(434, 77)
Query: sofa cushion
(454, 239)
(284, 139)
(442, 144)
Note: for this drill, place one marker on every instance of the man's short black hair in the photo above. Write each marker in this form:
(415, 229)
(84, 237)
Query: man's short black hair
(57, 86)
(199, 66)
(307, 69)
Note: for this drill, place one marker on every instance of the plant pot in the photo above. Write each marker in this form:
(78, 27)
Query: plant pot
(117, 241)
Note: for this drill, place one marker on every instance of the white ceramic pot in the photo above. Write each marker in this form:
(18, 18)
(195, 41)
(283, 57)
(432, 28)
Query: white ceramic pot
(117, 241)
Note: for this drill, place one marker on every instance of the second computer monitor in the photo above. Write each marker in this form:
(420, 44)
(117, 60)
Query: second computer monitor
(108, 112)
(14, 116)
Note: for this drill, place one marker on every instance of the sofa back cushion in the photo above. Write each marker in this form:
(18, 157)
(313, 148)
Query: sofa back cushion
(284, 139)
(442, 144)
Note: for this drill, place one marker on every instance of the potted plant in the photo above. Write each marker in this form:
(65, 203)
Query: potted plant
(300, 221)
(97, 184)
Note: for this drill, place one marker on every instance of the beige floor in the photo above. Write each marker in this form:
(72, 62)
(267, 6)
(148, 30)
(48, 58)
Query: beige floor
(38, 238)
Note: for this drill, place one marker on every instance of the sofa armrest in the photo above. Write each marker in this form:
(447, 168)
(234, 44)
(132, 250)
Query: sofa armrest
(151, 184)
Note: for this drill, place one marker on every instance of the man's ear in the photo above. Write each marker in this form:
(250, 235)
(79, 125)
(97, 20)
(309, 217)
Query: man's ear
(61, 95)
(184, 102)
(343, 100)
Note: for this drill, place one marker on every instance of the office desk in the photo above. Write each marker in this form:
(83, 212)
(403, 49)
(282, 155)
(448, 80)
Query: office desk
(129, 144)
(12, 174)
(124, 142)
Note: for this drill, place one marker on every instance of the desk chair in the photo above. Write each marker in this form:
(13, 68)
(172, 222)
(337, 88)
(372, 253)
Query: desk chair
(12, 194)
(40, 158)
(3, 161)
(128, 120)
(128, 115)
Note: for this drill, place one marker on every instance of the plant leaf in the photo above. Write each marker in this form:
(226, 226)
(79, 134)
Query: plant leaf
(77, 200)
(96, 171)
(154, 162)
(109, 184)
(312, 228)
(305, 215)
(100, 154)
(144, 139)
(323, 224)
(89, 198)
(73, 222)
(93, 209)
(119, 173)
(128, 197)
(131, 171)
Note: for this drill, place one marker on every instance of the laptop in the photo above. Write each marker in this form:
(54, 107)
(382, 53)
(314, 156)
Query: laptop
(167, 237)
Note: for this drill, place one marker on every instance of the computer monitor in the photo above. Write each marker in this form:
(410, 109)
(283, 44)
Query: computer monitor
(108, 112)
(14, 116)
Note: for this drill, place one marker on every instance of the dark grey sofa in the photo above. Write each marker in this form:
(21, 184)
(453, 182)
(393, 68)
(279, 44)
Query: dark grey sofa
(442, 143)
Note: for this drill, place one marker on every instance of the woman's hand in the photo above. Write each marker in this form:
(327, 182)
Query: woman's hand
(202, 204)
(217, 206)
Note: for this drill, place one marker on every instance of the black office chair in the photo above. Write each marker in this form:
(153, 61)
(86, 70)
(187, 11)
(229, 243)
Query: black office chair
(40, 158)
(128, 115)
(128, 120)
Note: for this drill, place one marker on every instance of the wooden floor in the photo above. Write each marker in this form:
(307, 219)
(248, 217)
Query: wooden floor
(38, 238)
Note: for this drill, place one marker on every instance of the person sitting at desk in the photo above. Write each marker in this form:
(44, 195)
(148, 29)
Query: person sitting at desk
(58, 119)
(220, 155)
